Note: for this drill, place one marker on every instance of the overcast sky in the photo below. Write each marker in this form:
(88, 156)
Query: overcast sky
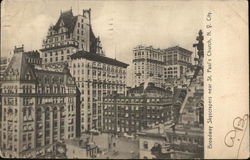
(161, 24)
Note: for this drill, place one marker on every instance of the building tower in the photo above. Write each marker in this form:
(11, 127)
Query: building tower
(69, 35)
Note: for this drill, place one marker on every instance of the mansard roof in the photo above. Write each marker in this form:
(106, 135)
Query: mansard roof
(68, 19)
(93, 41)
(19, 69)
(98, 58)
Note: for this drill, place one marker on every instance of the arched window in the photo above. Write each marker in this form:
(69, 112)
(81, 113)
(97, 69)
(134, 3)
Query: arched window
(39, 114)
(47, 113)
(55, 113)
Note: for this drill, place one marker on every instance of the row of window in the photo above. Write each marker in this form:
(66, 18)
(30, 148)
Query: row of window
(137, 100)
(56, 52)
(9, 101)
(9, 146)
(34, 60)
(185, 139)
(61, 30)
(57, 59)
(135, 108)
(98, 74)
(53, 100)
(121, 128)
(9, 89)
(103, 67)
(62, 44)
(149, 54)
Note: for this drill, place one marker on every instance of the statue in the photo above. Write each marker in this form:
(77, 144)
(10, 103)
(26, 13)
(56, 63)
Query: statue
(200, 48)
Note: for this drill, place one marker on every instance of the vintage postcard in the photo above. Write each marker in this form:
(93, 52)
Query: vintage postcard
(128, 79)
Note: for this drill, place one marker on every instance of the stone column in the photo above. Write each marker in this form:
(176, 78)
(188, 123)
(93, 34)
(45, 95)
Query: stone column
(58, 123)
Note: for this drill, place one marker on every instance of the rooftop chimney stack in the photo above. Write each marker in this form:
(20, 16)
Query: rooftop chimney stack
(19, 49)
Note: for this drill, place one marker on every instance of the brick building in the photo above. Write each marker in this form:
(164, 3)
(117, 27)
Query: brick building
(183, 138)
(143, 107)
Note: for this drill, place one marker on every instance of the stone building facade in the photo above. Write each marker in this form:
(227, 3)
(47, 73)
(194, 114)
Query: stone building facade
(148, 63)
(39, 106)
(71, 42)
(177, 61)
(69, 34)
(96, 76)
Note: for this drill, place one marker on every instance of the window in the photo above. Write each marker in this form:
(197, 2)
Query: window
(145, 145)
(24, 137)
(29, 136)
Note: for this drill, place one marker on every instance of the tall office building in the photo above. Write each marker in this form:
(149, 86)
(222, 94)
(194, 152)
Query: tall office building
(177, 60)
(38, 107)
(71, 40)
(70, 34)
(148, 63)
(96, 76)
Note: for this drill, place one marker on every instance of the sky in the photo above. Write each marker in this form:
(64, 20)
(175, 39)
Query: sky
(161, 24)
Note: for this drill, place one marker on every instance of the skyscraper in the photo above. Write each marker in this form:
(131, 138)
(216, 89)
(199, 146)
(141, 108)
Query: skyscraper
(72, 41)
(177, 60)
(148, 63)
(96, 76)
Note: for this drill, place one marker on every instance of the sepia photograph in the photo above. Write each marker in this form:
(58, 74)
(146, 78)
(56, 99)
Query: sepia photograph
(108, 79)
